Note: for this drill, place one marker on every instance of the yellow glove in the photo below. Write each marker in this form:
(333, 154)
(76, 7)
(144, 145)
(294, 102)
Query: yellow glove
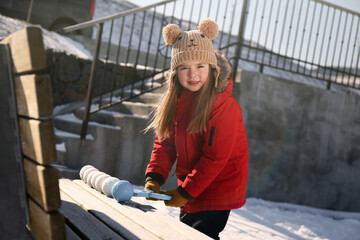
(177, 200)
(155, 187)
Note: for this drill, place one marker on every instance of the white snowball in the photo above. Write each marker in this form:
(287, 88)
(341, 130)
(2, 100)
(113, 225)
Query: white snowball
(88, 174)
(108, 184)
(99, 181)
(94, 177)
(83, 169)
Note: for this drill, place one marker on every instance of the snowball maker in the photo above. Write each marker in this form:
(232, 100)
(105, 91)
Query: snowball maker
(122, 191)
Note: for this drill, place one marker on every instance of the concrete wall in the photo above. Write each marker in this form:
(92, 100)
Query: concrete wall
(70, 76)
(304, 142)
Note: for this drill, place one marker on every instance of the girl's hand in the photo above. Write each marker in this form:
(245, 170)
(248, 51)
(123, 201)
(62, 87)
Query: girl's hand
(155, 187)
(177, 200)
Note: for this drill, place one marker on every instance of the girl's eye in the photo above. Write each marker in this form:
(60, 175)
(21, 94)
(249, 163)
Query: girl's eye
(183, 68)
(201, 66)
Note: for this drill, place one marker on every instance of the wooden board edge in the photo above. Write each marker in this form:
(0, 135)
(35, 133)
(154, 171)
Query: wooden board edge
(38, 140)
(42, 185)
(27, 49)
(34, 95)
(46, 225)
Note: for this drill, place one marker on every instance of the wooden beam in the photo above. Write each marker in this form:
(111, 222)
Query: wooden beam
(119, 222)
(70, 234)
(34, 95)
(42, 185)
(89, 226)
(38, 140)
(140, 214)
(27, 50)
(46, 225)
(13, 207)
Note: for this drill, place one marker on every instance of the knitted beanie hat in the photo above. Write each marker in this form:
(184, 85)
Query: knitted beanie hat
(192, 46)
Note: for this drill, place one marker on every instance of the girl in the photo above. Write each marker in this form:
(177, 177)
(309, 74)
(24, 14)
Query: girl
(199, 123)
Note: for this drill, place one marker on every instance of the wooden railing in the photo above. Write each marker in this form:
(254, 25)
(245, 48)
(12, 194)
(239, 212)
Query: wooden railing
(33, 96)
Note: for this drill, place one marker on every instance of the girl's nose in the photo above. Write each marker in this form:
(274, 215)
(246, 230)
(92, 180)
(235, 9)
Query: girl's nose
(192, 72)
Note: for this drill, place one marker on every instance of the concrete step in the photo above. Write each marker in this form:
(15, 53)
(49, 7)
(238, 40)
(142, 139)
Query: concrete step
(66, 172)
(110, 118)
(68, 126)
(149, 98)
(68, 123)
(160, 88)
(132, 107)
(61, 153)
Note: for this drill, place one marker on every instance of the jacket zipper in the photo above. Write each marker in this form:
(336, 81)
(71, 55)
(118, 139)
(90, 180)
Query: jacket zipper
(212, 130)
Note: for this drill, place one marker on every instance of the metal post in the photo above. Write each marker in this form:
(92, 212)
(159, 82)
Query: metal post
(29, 11)
(91, 80)
(240, 37)
(356, 66)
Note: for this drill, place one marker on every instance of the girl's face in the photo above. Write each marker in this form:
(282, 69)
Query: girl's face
(193, 75)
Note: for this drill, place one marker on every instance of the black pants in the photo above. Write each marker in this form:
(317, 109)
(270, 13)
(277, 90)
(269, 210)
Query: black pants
(210, 223)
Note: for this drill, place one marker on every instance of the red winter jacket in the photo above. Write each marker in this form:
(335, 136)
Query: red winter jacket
(212, 167)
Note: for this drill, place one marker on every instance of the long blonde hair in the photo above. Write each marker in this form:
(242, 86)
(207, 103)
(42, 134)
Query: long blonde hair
(164, 114)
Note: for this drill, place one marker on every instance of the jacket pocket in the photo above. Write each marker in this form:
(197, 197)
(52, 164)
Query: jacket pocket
(230, 170)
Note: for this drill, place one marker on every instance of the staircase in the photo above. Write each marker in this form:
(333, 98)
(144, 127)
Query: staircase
(115, 141)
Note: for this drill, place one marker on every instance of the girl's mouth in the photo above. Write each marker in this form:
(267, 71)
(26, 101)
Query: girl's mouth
(193, 83)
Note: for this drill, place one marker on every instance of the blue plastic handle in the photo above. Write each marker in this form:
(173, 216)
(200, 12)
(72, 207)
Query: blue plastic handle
(150, 194)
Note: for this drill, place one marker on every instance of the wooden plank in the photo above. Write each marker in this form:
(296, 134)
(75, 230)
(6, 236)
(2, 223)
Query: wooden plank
(70, 234)
(34, 95)
(162, 224)
(146, 216)
(38, 140)
(116, 220)
(42, 185)
(46, 225)
(27, 50)
(84, 222)
(12, 187)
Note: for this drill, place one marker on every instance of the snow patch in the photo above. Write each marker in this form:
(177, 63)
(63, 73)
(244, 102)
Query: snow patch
(70, 117)
(52, 40)
(60, 147)
(260, 219)
(61, 133)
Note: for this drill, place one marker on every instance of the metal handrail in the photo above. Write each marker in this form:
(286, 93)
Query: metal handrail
(336, 6)
(94, 22)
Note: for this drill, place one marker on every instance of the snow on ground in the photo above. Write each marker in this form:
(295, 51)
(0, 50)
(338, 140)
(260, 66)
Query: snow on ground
(51, 39)
(265, 220)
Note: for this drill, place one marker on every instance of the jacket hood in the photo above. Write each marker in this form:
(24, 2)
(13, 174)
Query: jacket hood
(225, 71)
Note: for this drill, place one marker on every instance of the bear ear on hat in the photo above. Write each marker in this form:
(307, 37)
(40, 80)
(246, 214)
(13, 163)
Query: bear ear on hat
(170, 33)
(209, 28)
